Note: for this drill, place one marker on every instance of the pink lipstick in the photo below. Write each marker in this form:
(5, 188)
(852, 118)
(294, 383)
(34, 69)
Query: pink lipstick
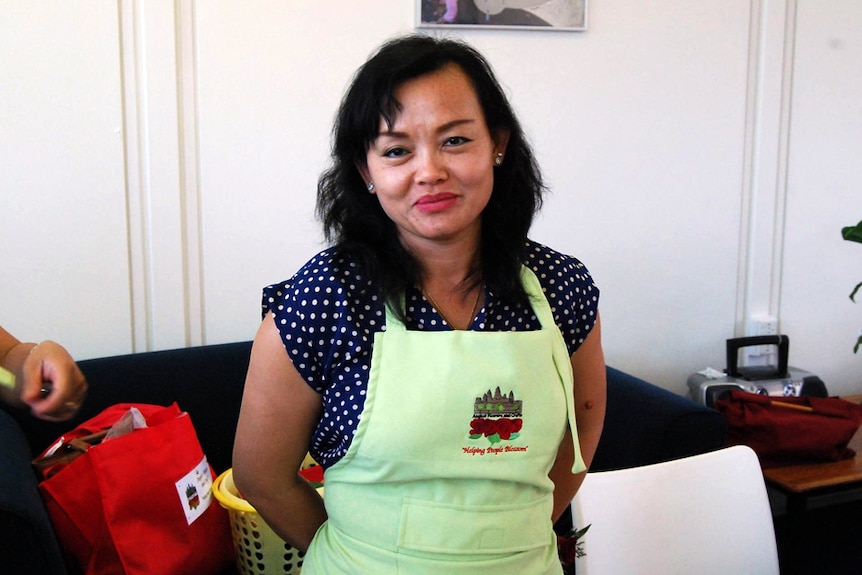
(436, 202)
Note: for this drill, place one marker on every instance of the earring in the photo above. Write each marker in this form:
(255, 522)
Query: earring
(498, 161)
(370, 187)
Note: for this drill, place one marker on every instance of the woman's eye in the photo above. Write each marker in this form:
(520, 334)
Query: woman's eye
(395, 153)
(456, 141)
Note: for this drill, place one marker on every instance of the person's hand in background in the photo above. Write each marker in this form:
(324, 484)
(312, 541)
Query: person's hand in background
(43, 377)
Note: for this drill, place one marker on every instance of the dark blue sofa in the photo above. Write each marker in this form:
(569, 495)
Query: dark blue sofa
(644, 424)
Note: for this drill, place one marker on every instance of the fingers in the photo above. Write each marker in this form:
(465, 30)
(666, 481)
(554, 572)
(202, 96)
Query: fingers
(53, 387)
(65, 413)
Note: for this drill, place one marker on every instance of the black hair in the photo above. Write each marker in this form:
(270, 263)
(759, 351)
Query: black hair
(353, 219)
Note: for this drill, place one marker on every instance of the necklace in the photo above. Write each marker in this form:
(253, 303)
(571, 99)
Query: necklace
(428, 296)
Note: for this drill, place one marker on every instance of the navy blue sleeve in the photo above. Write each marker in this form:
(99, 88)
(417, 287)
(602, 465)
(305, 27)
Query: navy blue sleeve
(570, 289)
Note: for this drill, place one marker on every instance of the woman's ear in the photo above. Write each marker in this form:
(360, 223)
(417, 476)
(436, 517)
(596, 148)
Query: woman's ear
(363, 171)
(501, 140)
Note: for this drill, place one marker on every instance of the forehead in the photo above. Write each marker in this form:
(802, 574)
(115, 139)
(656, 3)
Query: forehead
(447, 91)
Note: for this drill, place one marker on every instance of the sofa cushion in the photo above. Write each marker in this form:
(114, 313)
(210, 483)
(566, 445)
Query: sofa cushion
(24, 523)
(647, 424)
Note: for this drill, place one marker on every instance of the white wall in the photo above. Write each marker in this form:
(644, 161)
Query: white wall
(159, 162)
(64, 271)
(824, 194)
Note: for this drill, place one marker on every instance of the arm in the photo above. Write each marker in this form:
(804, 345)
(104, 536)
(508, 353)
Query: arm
(35, 365)
(278, 415)
(588, 369)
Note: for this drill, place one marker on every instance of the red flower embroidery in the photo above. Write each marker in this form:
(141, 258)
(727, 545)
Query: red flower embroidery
(495, 429)
(480, 426)
(506, 427)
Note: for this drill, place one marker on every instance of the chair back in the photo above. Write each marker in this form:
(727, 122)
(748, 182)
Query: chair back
(707, 514)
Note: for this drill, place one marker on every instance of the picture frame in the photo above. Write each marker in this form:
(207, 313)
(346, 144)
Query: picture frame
(557, 15)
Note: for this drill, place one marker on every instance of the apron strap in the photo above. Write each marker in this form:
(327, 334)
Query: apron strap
(542, 309)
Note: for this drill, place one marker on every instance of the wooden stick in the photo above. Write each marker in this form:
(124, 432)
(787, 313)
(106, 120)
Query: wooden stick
(792, 406)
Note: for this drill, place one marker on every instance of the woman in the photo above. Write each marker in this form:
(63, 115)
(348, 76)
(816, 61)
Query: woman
(419, 359)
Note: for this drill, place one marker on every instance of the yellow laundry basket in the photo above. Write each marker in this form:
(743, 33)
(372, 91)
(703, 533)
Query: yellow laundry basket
(259, 551)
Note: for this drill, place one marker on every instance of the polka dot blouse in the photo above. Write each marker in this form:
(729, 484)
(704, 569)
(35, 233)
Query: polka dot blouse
(328, 313)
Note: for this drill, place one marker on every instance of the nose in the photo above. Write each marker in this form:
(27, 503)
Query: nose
(430, 168)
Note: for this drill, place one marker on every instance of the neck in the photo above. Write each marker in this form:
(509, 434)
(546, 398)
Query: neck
(448, 266)
(451, 277)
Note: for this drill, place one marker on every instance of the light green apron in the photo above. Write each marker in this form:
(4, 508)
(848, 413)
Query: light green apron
(448, 470)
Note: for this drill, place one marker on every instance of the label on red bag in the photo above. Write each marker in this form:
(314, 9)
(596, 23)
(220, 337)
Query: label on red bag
(196, 491)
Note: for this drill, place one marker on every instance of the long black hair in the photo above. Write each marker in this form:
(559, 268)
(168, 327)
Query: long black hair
(353, 219)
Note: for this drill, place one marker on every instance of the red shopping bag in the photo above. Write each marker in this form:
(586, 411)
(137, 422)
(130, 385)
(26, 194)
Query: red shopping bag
(138, 504)
(789, 430)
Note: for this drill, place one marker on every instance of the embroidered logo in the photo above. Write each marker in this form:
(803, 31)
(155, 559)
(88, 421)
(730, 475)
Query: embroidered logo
(496, 417)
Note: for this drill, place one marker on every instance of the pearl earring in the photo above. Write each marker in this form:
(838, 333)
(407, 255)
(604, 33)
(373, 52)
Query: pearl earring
(498, 161)
(371, 187)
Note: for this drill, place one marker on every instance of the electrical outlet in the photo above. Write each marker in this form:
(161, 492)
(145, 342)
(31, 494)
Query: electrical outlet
(762, 324)
(765, 325)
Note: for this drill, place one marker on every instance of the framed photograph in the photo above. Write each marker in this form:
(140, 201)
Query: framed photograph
(524, 14)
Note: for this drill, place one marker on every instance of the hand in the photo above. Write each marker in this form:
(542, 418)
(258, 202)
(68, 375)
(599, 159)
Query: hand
(52, 385)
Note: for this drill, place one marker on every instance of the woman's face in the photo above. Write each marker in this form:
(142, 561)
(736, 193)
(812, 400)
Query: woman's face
(433, 170)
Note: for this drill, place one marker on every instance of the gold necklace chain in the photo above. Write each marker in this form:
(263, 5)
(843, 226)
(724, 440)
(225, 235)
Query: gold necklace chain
(437, 307)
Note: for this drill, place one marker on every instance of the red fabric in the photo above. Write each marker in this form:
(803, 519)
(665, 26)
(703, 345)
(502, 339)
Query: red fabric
(116, 508)
(782, 435)
(314, 474)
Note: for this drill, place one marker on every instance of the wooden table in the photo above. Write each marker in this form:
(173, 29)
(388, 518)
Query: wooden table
(799, 482)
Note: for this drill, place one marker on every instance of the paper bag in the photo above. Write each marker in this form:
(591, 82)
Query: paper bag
(139, 504)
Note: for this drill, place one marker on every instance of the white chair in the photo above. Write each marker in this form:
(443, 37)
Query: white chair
(702, 515)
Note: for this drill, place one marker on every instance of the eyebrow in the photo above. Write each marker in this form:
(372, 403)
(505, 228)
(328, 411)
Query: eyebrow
(443, 128)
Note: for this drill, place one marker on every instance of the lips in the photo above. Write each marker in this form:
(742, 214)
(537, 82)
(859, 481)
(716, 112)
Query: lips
(436, 202)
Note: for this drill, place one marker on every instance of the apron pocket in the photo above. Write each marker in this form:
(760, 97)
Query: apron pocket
(429, 526)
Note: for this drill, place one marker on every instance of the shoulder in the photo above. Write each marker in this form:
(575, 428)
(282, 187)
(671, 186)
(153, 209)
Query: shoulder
(326, 293)
(557, 270)
(326, 312)
(570, 289)
(323, 279)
